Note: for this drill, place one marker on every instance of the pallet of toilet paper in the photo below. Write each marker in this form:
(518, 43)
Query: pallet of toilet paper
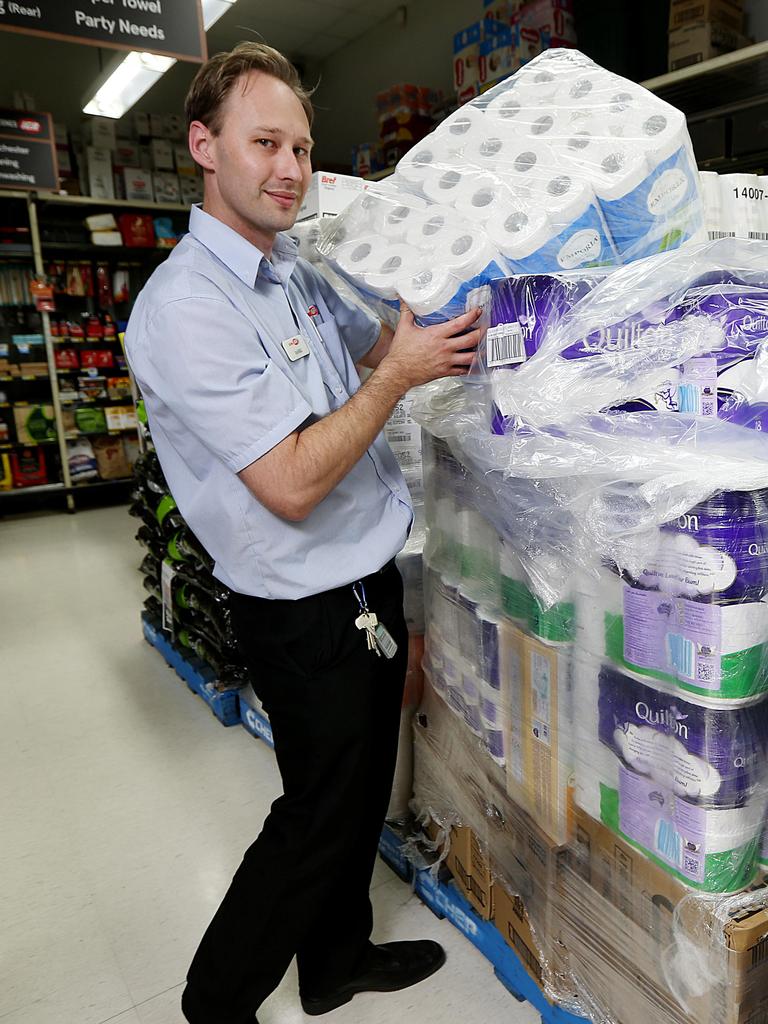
(597, 615)
(562, 166)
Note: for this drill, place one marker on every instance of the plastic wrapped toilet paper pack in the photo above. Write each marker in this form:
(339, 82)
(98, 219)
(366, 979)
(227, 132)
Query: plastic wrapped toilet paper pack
(563, 166)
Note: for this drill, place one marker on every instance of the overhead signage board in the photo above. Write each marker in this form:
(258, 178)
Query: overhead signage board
(171, 27)
(27, 150)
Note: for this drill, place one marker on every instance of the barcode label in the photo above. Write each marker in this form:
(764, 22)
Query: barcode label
(762, 235)
(682, 655)
(720, 234)
(504, 345)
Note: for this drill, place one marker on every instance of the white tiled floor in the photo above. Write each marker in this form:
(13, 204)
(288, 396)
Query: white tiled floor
(125, 808)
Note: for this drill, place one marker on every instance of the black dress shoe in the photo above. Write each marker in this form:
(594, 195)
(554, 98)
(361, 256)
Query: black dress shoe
(387, 968)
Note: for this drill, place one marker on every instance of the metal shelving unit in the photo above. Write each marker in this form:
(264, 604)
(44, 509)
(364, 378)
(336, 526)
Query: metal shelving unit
(42, 207)
(716, 88)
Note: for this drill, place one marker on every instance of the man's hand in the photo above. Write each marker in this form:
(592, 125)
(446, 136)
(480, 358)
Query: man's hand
(418, 355)
(300, 471)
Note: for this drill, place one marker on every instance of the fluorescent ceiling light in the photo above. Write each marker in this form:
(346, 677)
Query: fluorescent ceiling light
(137, 72)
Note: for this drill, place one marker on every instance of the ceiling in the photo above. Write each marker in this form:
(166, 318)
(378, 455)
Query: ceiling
(59, 75)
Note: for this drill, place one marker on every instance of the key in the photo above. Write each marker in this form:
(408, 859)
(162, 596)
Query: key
(367, 621)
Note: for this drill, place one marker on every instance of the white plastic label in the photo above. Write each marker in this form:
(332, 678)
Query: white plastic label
(504, 345)
(296, 347)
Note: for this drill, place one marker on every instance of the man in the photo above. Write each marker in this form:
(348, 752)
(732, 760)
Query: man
(272, 450)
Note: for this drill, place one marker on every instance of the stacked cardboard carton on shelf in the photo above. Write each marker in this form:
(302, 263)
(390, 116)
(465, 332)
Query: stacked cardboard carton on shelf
(702, 29)
(507, 34)
(405, 114)
(145, 159)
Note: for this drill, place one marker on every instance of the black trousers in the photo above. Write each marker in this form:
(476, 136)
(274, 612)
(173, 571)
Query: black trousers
(302, 888)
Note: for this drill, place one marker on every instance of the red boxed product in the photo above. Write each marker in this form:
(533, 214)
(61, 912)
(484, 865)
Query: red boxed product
(28, 467)
(99, 357)
(93, 327)
(67, 359)
(551, 18)
(137, 230)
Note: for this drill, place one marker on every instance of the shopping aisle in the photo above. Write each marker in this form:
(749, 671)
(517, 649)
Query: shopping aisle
(126, 807)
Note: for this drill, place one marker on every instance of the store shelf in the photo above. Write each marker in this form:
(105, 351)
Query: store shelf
(16, 252)
(37, 489)
(380, 175)
(122, 252)
(6, 446)
(122, 204)
(726, 83)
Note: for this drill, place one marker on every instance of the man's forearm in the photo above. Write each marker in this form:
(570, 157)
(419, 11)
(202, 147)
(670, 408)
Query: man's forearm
(305, 467)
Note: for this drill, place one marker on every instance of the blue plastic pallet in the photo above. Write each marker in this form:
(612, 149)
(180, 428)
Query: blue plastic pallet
(198, 676)
(444, 900)
(256, 724)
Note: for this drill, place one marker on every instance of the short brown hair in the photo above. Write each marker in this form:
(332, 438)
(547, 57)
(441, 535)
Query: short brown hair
(217, 77)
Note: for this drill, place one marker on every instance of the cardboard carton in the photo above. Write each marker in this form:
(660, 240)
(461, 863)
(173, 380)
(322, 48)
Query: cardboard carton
(466, 57)
(329, 194)
(468, 863)
(99, 166)
(728, 13)
(702, 41)
(511, 919)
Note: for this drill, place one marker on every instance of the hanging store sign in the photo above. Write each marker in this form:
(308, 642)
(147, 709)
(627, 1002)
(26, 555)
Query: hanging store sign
(27, 150)
(171, 27)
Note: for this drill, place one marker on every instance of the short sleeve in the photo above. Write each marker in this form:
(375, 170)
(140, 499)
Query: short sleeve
(205, 364)
(358, 329)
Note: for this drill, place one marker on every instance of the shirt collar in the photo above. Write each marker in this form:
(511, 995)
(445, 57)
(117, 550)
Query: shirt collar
(242, 257)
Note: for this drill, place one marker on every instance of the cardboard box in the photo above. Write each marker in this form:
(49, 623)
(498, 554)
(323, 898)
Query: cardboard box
(497, 54)
(141, 124)
(185, 163)
(99, 170)
(191, 190)
(162, 155)
(127, 153)
(166, 187)
(511, 919)
(466, 57)
(729, 13)
(138, 184)
(539, 763)
(329, 194)
(469, 865)
(552, 19)
(750, 130)
(700, 42)
(99, 132)
(156, 126)
(174, 126)
(619, 921)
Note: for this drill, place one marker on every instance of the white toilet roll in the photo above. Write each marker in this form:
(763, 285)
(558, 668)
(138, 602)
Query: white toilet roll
(585, 89)
(362, 254)
(564, 197)
(517, 232)
(594, 600)
(539, 86)
(506, 111)
(739, 211)
(427, 227)
(425, 292)
(465, 254)
(421, 162)
(398, 216)
(527, 163)
(395, 261)
(462, 128)
(660, 132)
(448, 184)
(617, 167)
(475, 199)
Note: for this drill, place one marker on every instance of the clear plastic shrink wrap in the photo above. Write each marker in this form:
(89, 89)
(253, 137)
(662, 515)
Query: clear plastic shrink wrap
(563, 166)
(596, 657)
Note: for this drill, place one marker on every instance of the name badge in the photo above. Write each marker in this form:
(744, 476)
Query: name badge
(296, 347)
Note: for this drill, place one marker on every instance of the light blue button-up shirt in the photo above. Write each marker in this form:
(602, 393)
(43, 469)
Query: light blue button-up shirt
(204, 342)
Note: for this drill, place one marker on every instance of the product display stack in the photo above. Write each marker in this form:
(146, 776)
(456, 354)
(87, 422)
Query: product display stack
(184, 599)
(593, 736)
(405, 439)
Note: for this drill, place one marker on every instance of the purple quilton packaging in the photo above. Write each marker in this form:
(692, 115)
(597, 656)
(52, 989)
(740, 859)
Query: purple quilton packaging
(710, 757)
